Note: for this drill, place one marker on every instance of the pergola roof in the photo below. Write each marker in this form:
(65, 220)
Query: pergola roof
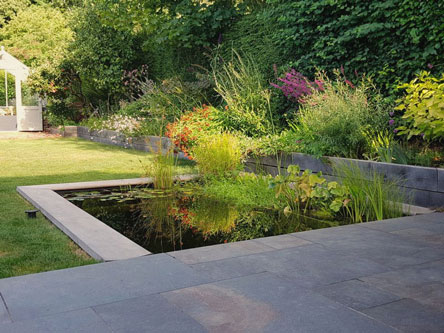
(13, 65)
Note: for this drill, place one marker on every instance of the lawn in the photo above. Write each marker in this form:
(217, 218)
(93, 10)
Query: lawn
(31, 246)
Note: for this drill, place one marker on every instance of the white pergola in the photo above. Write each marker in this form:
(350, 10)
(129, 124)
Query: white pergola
(29, 118)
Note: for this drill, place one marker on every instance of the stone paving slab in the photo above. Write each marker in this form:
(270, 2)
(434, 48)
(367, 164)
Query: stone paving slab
(220, 251)
(374, 244)
(376, 277)
(4, 315)
(356, 294)
(244, 305)
(42, 294)
(147, 314)
(80, 321)
(408, 316)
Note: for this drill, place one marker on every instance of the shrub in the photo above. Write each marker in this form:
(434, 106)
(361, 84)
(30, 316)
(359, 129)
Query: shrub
(423, 107)
(243, 90)
(296, 86)
(218, 154)
(193, 126)
(331, 121)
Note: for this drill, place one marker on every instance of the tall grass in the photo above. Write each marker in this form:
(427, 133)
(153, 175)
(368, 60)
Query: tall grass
(373, 197)
(162, 167)
(218, 154)
(245, 93)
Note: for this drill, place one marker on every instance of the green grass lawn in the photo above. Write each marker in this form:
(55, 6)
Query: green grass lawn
(35, 245)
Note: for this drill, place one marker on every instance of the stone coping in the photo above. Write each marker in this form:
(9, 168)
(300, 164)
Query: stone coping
(95, 237)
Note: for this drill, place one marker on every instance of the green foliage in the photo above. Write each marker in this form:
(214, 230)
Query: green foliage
(372, 197)
(39, 36)
(244, 190)
(218, 154)
(11, 87)
(304, 192)
(390, 40)
(423, 107)
(252, 35)
(192, 127)
(161, 169)
(100, 55)
(9, 8)
(383, 147)
(331, 121)
(244, 92)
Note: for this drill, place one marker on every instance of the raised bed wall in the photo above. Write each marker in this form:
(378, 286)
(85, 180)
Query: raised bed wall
(426, 185)
(145, 143)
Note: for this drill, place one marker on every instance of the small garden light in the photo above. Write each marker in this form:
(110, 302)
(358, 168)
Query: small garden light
(32, 214)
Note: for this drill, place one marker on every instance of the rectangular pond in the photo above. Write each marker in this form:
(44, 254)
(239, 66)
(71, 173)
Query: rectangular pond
(163, 221)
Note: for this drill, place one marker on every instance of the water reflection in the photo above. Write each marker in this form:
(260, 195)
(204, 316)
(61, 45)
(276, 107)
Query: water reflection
(163, 222)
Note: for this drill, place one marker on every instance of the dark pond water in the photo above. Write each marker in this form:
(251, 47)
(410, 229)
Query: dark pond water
(162, 221)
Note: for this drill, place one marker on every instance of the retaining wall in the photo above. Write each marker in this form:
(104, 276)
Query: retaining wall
(145, 143)
(426, 185)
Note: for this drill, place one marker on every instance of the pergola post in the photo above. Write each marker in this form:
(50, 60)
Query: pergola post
(18, 102)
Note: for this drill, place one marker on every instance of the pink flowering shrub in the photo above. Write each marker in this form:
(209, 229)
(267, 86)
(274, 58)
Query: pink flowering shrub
(296, 86)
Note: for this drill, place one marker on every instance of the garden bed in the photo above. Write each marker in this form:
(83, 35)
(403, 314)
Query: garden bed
(425, 184)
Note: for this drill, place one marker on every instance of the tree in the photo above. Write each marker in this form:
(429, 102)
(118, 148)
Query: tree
(9, 8)
(99, 55)
(39, 36)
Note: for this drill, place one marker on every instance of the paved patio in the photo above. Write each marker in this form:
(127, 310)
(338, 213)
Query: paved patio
(375, 277)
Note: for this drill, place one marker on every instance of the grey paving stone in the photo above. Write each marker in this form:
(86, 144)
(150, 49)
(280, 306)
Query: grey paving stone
(228, 268)
(311, 267)
(434, 220)
(357, 294)
(307, 266)
(220, 251)
(4, 315)
(147, 314)
(84, 320)
(282, 241)
(265, 303)
(419, 234)
(408, 316)
(382, 247)
(423, 283)
(46, 293)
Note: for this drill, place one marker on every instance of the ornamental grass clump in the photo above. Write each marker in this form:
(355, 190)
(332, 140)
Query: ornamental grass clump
(162, 168)
(218, 154)
(372, 196)
(245, 95)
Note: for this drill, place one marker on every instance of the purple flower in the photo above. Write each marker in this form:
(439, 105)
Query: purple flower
(391, 122)
(430, 66)
(395, 130)
(391, 113)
